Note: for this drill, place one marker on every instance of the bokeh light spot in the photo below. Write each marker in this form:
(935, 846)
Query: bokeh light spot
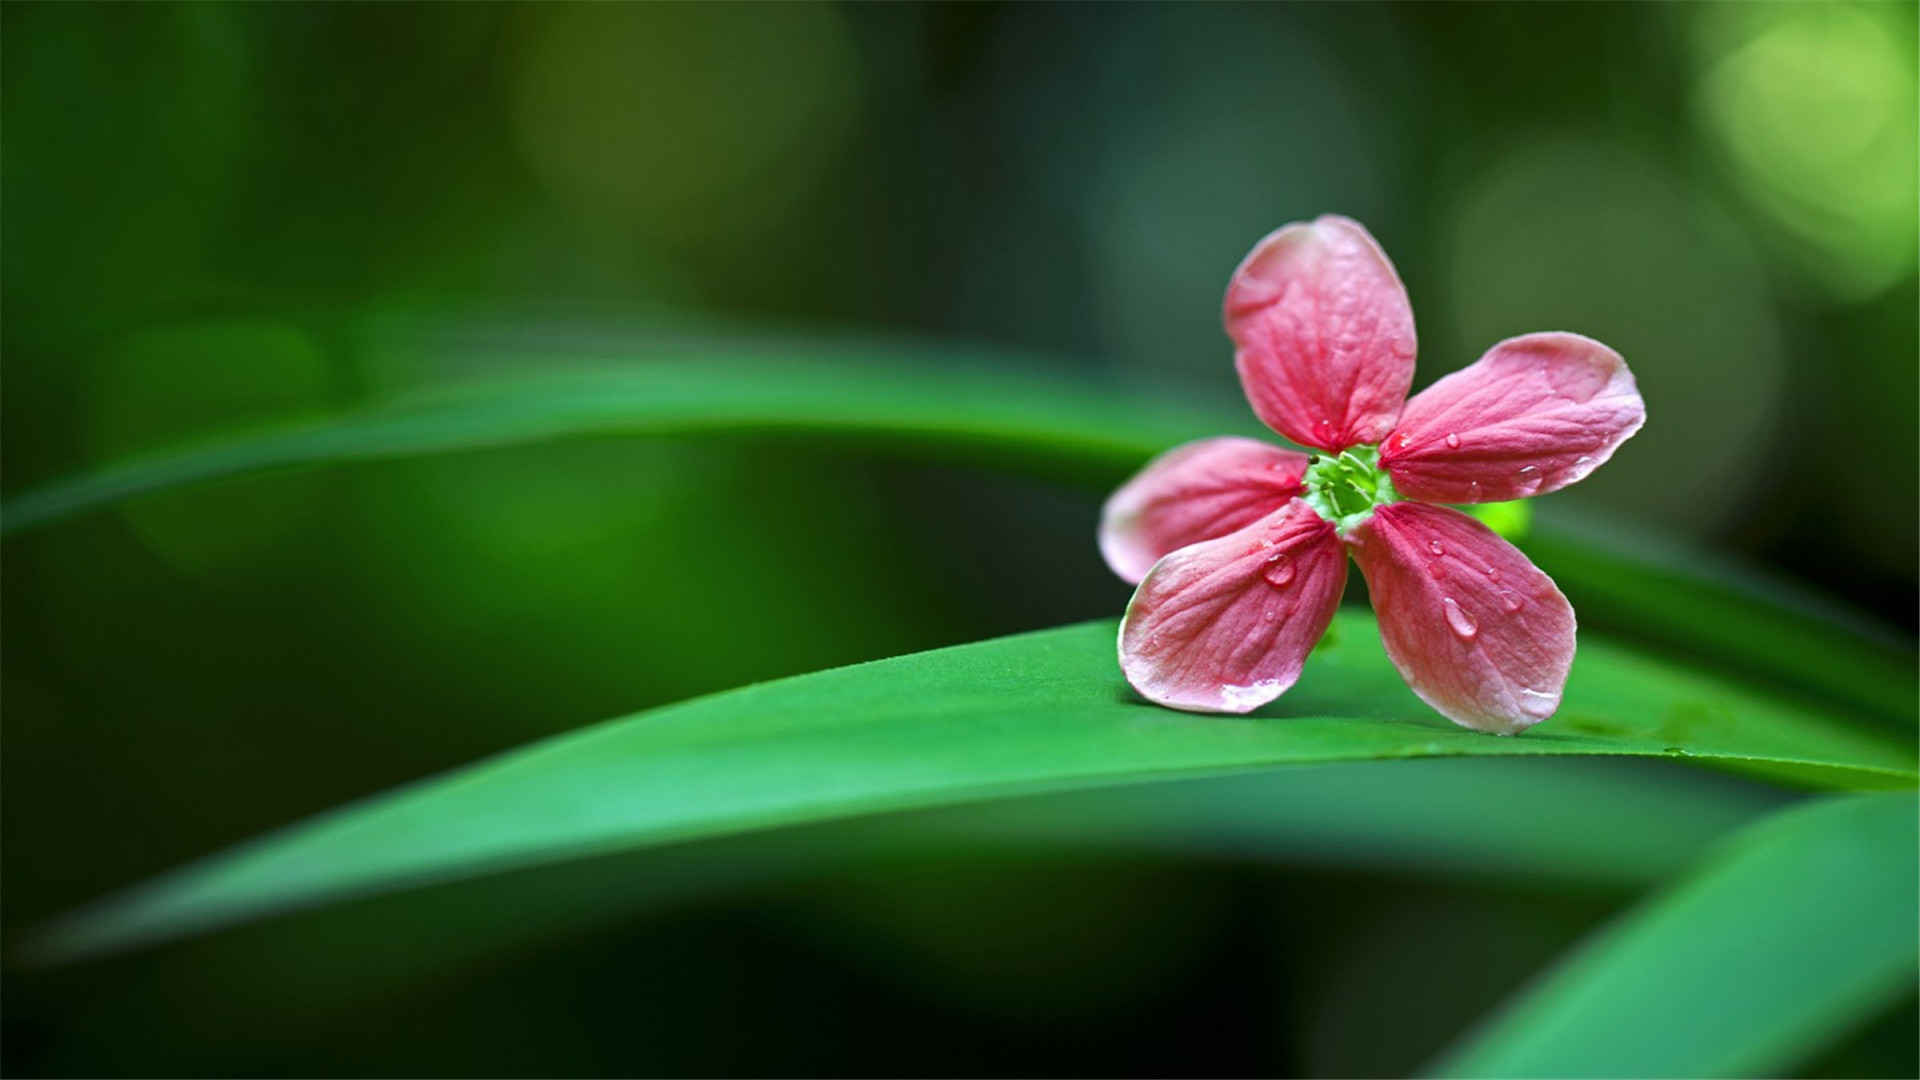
(1815, 114)
(1586, 236)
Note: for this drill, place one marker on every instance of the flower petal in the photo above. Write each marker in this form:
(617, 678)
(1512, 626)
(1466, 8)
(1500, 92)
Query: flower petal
(1225, 625)
(1533, 415)
(1323, 334)
(1194, 492)
(1476, 630)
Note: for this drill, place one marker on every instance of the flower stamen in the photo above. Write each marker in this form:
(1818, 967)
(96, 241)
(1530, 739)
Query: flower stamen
(1345, 488)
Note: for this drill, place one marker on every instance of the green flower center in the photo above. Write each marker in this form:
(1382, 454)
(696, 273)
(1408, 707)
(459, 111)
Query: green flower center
(1345, 487)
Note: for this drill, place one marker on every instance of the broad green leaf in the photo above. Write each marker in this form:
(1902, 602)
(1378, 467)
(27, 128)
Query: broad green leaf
(954, 407)
(1034, 712)
(1591, 824)
(1801, 927)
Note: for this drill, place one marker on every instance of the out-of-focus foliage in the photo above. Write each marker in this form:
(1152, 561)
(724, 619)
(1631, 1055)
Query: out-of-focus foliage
(1692, 974)
(213, 215)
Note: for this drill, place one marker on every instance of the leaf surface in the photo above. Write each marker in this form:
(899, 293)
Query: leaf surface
(1030, 713)
(1803, 925)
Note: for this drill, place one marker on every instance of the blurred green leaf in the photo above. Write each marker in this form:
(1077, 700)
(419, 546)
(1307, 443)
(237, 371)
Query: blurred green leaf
(941, 405)
(953, 407)
(1512, 519)
(1592, 824)
(1033, 712)
(1802, 927)
(1771, 631)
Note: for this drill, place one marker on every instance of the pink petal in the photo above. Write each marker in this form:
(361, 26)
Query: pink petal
(1224, 626)
(1323, 334)
(1476, 630)
(1533, 415)
(1192, 493)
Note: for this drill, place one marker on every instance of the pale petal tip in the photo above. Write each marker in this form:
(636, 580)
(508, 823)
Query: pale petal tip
(1225, 699)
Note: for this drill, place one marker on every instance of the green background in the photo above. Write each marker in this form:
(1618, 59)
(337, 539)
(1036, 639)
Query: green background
(221, 219)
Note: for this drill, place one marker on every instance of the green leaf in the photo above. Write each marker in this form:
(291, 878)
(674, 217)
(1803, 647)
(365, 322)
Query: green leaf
(1801, 927)
(1512, 520)
(1030, 713)
(958, 407)
(938, 405)
(1704, 608)
(1591, 824)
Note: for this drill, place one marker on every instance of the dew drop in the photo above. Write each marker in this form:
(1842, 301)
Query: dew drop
(1460, 621)
(1435, 571)
(1509, 601)
(1403, 441)
(1279, 570)
(1272, 614)
(1536, 702)
(1453, 440)
(1493, 575)
(1525, 469)
(1434, 546)
(1582, 460)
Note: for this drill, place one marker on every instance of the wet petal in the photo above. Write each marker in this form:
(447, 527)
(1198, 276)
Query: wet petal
(1323, 334)
(1191, 493)
(1535, 414)
(1224, 626)
(1476, 630)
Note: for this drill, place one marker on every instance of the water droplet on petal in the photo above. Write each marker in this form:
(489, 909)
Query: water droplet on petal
(1279, 570)
(1536, 702)
(1272, 614)
(1460, 621)
(1435, 571)
(1434, 546)
(1509, 601)
(1582, 460)
(1453, 440)
(1493, 575)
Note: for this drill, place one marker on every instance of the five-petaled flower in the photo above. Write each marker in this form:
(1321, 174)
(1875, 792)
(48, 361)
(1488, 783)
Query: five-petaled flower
(1239, 547)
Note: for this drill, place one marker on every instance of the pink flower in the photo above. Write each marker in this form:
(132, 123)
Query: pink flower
(1239, 548)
